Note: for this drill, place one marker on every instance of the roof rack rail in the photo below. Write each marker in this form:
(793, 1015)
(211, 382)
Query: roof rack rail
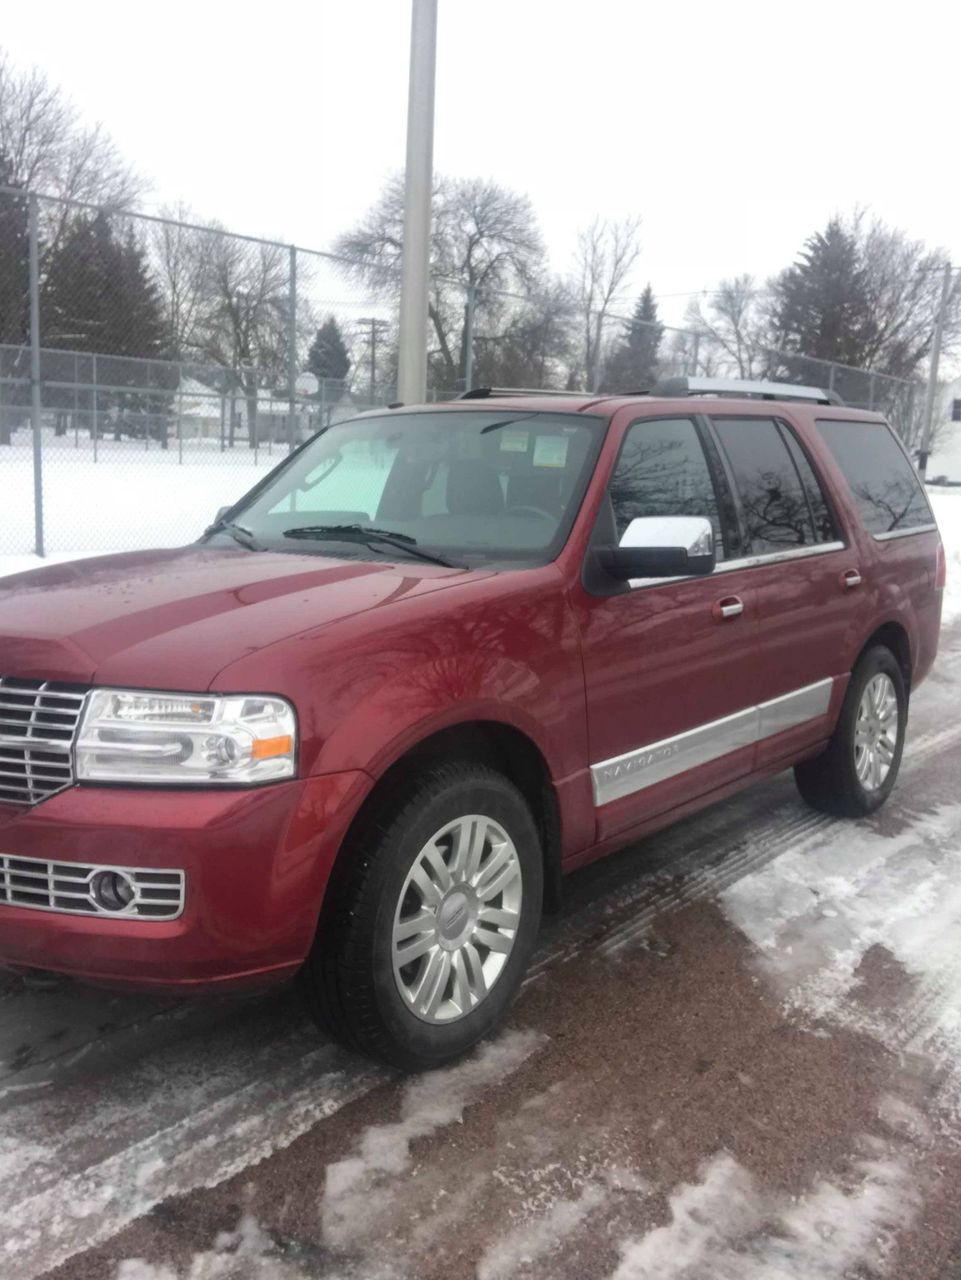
(743, 388)
(485, 393)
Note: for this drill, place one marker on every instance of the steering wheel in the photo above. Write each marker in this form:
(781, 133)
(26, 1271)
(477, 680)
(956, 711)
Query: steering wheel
(527, 510)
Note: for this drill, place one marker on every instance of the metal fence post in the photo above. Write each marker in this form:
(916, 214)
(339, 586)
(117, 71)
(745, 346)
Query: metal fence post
(927, 430)
(469, 338)
(180, 421)
(96, 422)
(292, 351)
(35, 401)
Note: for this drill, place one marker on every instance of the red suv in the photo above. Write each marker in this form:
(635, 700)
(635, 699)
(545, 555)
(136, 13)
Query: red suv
(438, 657)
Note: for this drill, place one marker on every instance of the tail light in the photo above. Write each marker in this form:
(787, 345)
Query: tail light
(941, 572)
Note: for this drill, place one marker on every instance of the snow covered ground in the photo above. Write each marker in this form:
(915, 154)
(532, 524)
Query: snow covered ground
(130, 498)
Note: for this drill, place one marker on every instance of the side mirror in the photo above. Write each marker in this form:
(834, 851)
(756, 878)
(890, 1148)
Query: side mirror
(662, 547)
(221, 512)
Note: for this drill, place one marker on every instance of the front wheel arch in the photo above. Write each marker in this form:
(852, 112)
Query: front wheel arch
(494, 743)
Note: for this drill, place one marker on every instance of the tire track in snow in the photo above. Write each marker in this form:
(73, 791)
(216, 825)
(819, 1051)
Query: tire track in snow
(49, 1218)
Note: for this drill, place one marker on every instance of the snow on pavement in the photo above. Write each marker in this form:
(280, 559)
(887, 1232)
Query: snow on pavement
(726, 1227)
(947, 510)
(361, 1190)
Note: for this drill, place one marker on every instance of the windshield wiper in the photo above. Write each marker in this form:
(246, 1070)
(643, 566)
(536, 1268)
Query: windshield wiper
(373, 537)
(240, 533)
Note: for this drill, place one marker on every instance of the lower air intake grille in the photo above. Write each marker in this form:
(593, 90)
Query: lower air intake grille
(122, 892)
(38, 724)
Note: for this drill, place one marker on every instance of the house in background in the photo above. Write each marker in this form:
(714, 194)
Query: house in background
(944, 464)
(205, 412)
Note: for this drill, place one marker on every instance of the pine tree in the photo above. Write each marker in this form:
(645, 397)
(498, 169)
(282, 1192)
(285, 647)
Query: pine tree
(14, 265)
(821, 304)
(14, 301)
(98, 295)
(328, 356)
(632, 365)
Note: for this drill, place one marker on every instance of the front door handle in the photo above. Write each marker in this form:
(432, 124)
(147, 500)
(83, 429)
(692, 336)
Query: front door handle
(729, 607)
(850, 579)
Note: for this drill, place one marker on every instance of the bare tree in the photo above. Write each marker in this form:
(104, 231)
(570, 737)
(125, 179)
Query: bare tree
(731, 323)
(46, 148)
(903, 281)
(484, 238)
(534, 344)
(183, 260)
(243, 327)
(606, 253)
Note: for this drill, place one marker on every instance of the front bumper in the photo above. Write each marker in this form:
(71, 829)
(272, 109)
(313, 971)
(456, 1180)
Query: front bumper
(256, 864)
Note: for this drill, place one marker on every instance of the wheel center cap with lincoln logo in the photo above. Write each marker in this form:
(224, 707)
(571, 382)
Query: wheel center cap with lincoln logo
(456, 917)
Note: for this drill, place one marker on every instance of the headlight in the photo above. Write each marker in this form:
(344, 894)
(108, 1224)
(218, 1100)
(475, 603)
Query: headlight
(185, 740)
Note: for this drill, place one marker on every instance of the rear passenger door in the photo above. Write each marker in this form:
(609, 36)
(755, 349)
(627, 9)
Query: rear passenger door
(803, 575)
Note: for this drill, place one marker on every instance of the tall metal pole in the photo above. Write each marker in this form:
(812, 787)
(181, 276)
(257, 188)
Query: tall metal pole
(469, 338)
(292, 352)
(932, 394)
(33, 228)
(412, 353)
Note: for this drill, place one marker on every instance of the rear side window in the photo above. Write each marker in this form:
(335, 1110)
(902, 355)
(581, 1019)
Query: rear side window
(886, 488)
(774, 501)
(663, 471)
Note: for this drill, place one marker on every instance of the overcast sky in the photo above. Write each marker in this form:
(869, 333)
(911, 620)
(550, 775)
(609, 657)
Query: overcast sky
(733, 129)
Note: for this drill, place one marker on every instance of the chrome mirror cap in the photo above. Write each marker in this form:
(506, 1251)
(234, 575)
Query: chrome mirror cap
(692, 534)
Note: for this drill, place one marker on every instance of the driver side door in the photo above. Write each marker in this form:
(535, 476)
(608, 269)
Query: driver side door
(670, 665)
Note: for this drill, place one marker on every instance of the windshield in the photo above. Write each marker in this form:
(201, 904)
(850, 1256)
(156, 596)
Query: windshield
(471, 486)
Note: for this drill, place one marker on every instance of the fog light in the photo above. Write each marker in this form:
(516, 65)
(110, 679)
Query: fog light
(112, 890)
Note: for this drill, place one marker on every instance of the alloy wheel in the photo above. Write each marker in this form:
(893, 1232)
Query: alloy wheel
(457, 919)
(876, 732)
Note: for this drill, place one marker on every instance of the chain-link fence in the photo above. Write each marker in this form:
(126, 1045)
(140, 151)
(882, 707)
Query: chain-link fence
(151, 370)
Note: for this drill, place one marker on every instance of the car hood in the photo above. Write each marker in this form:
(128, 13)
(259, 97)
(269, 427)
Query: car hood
(174, 619)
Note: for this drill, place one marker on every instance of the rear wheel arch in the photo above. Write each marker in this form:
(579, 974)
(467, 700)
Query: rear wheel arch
(893, 636)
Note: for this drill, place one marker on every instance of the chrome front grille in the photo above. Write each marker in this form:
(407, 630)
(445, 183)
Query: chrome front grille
(41, 885)
(38, 724)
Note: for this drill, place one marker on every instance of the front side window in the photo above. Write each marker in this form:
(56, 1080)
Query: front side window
(775, 507)
(476, 486)
(662, 470)
(886, 488)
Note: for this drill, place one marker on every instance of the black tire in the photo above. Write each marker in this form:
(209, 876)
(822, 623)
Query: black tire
(830, 782)
(349, 977)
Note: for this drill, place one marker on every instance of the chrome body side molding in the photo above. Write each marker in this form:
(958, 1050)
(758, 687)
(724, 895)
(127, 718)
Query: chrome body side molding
(904, 533)
(657, 761)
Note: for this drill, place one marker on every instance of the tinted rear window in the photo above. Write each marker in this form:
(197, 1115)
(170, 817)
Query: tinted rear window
(886, 487)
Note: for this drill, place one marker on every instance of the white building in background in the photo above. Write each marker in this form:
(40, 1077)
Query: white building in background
(945, 460)
(205, 412)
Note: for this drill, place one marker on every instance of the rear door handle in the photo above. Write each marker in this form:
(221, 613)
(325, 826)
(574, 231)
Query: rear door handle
(850, 579)
(729, 607)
